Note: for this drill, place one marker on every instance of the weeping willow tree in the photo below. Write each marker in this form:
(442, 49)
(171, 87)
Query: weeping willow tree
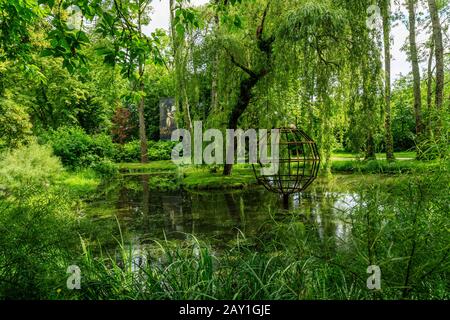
(318, 34)
(180, 56)
(272, 63)
(365, 87)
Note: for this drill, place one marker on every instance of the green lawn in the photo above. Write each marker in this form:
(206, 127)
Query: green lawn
(195, 177)
(404, 155)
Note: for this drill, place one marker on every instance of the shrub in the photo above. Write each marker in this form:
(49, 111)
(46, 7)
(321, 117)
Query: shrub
(31, 165)
(161, 150)
(37, 225)
(105, 168)
(103, 146)
(77, 149)
(131, 152)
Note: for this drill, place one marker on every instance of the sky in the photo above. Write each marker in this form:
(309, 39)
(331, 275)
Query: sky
(399, 64)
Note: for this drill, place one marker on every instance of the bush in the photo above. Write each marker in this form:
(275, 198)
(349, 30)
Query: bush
(15, 125)
(77, 149)
(32, 165)
(103, 146)
(105, 168)
(131, 152)
(37, 225)
(161, 150)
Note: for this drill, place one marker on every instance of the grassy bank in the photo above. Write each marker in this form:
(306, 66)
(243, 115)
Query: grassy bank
(165, 175)
(190, 177)
(403, 155)
(385, 167)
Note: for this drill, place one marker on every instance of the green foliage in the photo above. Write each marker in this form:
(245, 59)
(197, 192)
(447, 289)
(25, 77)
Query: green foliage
(130, 152)
(82, 183)
(190, 177)
(314, 64)
(159, 83)
(29, 166)
(151, 167)
(64, 99)
(78, 149)
(385, 167)
(35, 214)
(403, 122)
(105, 168)
(130, 46)
(186, 18)
(15, 23)
(203, 179)
(15, 124)
(37, 235)
(161, 150)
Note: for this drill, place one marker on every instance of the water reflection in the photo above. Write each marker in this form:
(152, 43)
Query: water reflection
(218, 216)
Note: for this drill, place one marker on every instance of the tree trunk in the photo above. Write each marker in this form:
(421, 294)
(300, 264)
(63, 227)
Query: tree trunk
(247, 85)
(430, 77)
(215, 72)
(439, 53)
(142, 129)
(389, 141)
(181, 98)
(370, 148)
(186, 107)
(178, 103)
(245, 96)
(415, 68)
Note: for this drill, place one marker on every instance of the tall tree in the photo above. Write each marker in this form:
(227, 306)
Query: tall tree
(140, 84)
(246, 85)
(215, 72)
(131, 50)
(415, 67)
(389, 141)
(181, 18)
(430, 76)
(439, 52)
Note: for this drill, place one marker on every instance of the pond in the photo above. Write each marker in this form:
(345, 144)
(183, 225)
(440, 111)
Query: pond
(219, 216)
(322, 245)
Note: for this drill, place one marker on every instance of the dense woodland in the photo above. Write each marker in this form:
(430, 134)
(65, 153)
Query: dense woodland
(246, 64)
(80, 88)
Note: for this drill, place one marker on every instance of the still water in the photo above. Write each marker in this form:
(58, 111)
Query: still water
(218, 216)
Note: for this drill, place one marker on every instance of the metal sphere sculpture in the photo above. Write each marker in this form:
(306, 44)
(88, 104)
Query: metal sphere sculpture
(299, 162)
